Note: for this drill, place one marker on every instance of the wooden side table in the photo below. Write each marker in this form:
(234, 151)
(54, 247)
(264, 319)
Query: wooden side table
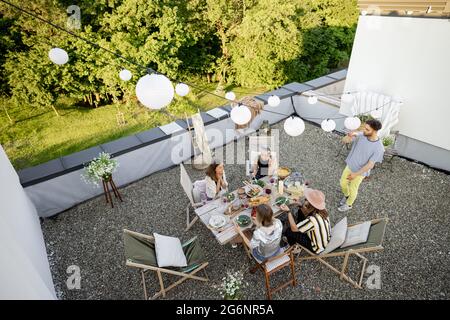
(107, 183)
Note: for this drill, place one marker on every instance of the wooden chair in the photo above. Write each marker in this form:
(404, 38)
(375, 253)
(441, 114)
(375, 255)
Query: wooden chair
(271, 265)
(140, 253)
(373, 243)
(188, 188)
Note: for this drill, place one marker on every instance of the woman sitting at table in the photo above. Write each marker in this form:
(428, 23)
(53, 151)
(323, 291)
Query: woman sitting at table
(312, 228)
(265, 241)
(264, 165)
(216, 181)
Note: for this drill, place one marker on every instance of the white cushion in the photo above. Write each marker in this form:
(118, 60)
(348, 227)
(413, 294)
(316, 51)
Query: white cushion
(338, 233)
(357, 234)
(169, 252)
(199, 187)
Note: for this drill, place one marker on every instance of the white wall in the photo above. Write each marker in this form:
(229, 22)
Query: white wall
(24, 267)
(410, 58)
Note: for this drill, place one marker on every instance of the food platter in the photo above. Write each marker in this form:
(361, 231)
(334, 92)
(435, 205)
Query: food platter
(256, 201)
(253, 190)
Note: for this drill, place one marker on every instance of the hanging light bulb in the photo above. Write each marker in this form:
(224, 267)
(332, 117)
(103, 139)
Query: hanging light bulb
(241, 115)
(125, 75)
(352, 123)
(154, 91)
(274, 101)
(58, 56)
(182, 89)
(377, 113)
(328, 125)
(230, 96)
(312, 100)
(294, 126)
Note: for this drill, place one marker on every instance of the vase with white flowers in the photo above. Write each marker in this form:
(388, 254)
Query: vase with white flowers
(100, 168)
(232, 285)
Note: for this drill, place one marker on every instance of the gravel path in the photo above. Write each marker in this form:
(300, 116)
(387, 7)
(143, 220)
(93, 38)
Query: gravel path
(414, 265)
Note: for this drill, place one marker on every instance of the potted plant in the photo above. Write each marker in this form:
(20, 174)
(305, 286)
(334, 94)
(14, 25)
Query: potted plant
(100, 168)
(232, 285)
(388, 141)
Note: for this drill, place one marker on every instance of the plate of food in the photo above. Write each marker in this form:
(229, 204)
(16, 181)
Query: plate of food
(229, 196)
(260, 183)
(253, 190)
(243, 220)
(256, 201)
(281, 200)
(217, 221)
(283, 172)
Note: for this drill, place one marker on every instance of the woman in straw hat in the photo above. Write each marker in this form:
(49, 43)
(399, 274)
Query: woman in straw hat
(312, 230)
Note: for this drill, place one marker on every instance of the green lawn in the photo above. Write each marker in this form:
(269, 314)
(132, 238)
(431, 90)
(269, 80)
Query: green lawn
(38, 135)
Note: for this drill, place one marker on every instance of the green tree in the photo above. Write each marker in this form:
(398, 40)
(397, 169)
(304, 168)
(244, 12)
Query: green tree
(264, 42)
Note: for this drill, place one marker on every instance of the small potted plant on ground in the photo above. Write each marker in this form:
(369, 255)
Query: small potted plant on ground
(232, 285)
(388, 141)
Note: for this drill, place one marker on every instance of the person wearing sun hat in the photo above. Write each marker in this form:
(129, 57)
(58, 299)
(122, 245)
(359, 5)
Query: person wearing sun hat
(312, 228)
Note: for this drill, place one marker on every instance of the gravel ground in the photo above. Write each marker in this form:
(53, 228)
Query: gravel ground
(414, 264)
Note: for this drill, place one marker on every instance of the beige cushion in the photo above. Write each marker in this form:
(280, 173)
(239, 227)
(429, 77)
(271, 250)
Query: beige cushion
(169, 252)
(357, 234)
(338, 234)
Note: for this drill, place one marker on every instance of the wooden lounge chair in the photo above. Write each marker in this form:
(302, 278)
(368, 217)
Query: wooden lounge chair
(373, 243)
(271, 265)
(140, 253)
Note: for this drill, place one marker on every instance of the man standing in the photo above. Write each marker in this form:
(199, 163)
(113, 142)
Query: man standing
(367, 149)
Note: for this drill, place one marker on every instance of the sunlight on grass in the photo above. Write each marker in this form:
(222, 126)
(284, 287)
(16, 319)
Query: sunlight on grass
(38, 135)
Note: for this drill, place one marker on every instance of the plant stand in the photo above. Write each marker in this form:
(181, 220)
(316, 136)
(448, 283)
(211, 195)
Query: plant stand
(107, 183)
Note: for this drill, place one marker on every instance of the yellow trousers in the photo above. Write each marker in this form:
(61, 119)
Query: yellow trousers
(350, 187)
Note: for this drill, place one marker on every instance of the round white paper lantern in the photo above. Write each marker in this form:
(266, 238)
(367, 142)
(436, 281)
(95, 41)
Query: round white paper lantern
(352, 123)
(274, 101)
(312, 100)
(230, 95)
(58, 56)
(182, 89)
(294, 126)
(347, 97)
(241, 115)
(377, 113)
(328, 125)
(125, 74)
(154, 91)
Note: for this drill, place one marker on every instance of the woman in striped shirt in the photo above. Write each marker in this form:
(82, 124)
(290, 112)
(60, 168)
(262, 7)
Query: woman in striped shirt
(312, 230)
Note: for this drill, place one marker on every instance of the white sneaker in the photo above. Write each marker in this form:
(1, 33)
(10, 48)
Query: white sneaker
(343, 201)
(344, 207)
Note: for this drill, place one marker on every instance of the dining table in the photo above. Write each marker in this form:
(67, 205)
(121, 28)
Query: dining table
(227, 233)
